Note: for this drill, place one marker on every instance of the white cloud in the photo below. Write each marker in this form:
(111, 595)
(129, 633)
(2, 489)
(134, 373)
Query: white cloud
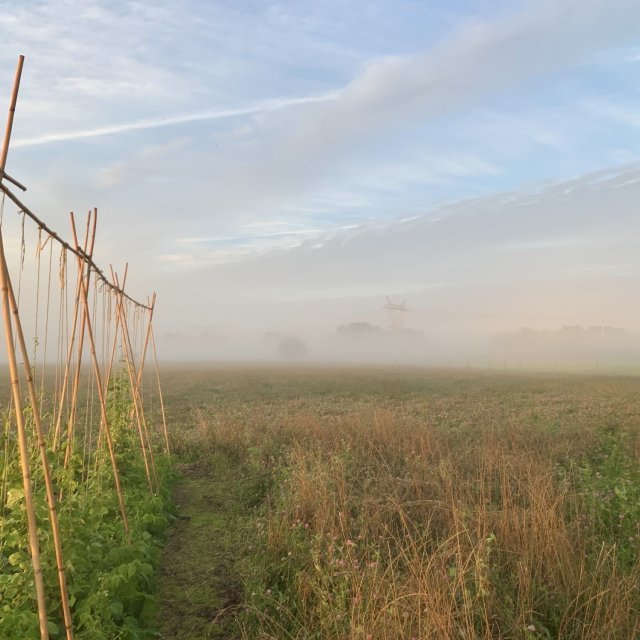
(564, 250)
(319, 144)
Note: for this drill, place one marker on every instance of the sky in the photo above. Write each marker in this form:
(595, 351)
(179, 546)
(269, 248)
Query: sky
(285, 166)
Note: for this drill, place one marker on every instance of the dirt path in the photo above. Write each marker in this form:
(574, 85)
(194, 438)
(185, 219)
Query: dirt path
(197, 587)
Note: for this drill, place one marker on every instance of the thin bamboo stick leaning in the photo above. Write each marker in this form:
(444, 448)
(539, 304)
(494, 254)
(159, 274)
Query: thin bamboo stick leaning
(76, 380)
(103, 406)
(131, 371)
(24, 450)
(15, 383)
(164, 418)
(57, 434)
(46, 469)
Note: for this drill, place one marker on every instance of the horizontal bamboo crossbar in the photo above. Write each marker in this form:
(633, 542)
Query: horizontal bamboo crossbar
(76, 250)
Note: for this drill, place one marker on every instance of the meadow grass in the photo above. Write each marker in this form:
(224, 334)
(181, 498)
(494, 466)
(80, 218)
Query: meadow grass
(425, 504)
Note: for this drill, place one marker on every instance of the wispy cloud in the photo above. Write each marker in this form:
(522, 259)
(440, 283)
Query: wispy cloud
(570, 232)
(263, 106)
(393, 97)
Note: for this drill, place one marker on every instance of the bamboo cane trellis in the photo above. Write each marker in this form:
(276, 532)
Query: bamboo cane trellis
(111, 326)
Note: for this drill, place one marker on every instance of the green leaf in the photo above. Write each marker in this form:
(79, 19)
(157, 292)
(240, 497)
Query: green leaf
(15, 495)
(18, 558)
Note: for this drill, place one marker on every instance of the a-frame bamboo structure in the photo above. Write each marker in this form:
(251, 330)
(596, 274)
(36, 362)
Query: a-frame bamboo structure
(82, 335)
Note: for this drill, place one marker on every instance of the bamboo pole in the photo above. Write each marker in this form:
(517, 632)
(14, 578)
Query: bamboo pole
(138, 386)
(13, 181)
(15, 383)
(136, 389)
(4, 152)
(143, 443)
(146, 340)
(51, 500)
(24, 450)
(143, 361)
(164, 419)
(103, 404)
(113, 349)
(131, 371)
(65, 380)
(77, 251)
(76, 380)
(141, 370)
(116, 318)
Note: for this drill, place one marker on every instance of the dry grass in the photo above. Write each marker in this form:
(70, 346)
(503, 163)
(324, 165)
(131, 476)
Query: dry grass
(434, 505)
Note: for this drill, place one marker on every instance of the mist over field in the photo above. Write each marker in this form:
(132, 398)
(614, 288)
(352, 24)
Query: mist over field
(534, 263)
(543, 276)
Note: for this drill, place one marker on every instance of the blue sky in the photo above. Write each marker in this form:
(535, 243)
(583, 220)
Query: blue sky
(216, 133)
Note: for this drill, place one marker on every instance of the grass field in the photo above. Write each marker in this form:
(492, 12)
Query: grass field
(402, 503)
